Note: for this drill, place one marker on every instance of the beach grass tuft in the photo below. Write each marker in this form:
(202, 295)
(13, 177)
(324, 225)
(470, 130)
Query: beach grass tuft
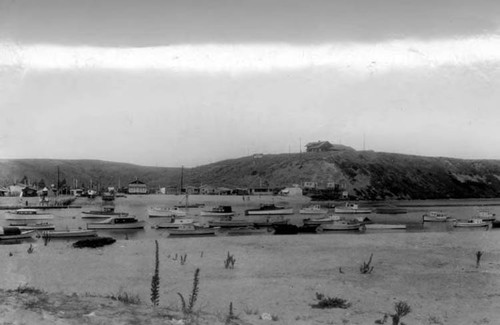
(402, 309)
(229, 261)
(155, 281)
(188, 308)
(325, 302)
(366, 268)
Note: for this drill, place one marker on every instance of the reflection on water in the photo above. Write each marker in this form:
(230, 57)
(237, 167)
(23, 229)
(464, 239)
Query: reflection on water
(137, 206)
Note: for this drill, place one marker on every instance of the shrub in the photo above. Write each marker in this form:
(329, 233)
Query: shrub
(328, 302)
(188, 308)
(155, 281)
(94, 242)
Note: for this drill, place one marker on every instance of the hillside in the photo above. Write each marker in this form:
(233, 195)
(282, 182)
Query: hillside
(366, 174)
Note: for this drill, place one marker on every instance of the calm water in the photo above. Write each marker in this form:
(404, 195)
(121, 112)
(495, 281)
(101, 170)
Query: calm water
(137, 206)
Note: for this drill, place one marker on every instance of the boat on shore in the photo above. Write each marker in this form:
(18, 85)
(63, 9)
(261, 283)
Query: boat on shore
(12, 233)
(191, 230)
(27, 215)
(268, 209)
(174, 223)
(472, 223)
(313, 209)
(117, 223)
(436, 216)
(70, 233)
(33, 226)
(106, 212)
(220, 211)
(351, 208)
(161, 212)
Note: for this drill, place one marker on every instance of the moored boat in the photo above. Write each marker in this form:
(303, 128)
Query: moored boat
(33, 226)
(117, 223)
(70, 233)
(382, 226)
(11, 233)
(106, 212)
(243, 231)
(390, 210)
(229, 223)
(340, 225)
(321, 221)
(159, 212)
(351, 208)
(27, 215)
(472, 223)
(191, 230)
(313, 209)
(174, 223)
(436, 216)
(220, 211)
(268, 209)
(486, 215)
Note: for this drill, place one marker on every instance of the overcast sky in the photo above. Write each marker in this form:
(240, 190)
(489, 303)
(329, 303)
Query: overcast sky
(171, 83)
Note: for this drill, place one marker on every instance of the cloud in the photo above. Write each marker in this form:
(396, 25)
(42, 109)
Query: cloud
(258, 58)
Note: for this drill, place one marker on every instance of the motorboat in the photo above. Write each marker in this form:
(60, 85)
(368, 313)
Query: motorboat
(486, 216)
(191, 230)
(313, 209)
(472, 223)
(70, 233)
(245, 231)
(27, 215)
(321, 221)
(268, 209)
(340, 225)
(383, 226)
(159, 212)
(33, 226)
(220, 211)
(229, 223)
(436, 216)
(271, 221)
(106, 212)
(117, 223)
(351, 208)
(174, 223)
(11, 233)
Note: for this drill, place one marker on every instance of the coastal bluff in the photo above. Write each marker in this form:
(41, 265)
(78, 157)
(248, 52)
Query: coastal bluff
(366, 175)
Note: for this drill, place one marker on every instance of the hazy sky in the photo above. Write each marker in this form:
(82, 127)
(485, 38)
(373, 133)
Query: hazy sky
(173, 83)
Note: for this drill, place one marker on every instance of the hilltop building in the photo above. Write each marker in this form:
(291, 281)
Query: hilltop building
(322, 146)
(137, 187)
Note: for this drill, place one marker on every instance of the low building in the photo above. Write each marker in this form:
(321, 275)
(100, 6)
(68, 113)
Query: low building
(292, 191)
(137, 187)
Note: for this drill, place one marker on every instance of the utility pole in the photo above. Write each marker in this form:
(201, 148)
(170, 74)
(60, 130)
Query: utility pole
(58, 184)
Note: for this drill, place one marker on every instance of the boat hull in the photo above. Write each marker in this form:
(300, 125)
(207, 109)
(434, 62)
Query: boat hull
(135, 225)
(378, 226)
(165, 213)
(338, 227)
(196, 232)
(268, 212)
(69, 234)
(23, 235)
(230, 223)
(352, 211)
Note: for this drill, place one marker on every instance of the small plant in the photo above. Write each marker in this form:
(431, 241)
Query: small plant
(229, 262)
(155, 281)
(183, 259)
(366, 268)
(402, 309)
(30, 249)
(25, 288)
(230, 317)
(328, 302)
(478, 258)
(188, 308)
(126, 298)
(10, 254)
(46, 238)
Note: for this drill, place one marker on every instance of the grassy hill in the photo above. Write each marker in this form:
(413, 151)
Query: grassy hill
(366, 174)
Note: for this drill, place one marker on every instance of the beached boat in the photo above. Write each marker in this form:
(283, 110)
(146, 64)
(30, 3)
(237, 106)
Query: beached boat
(27, 215)
(313, 209)
(245, 231)
(321, 221)
(268, 209)
(106, 212)
(117, 223)
(390, 210)
(436, 216)
(11, 233)
(472, 223)
(220, 211)
(159, 212)
(383, 226)
(33, 226)
(351, 208)
(191, 230)
(340, 225)
(174, 223)
(70, 233)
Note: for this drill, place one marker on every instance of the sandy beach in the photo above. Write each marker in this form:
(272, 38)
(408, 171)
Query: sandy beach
(435, 273)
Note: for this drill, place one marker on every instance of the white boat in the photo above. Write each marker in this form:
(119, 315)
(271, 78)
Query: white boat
(486, 216)
(174, 223)
(436, 216)
(340, 225)
(220, 211)
(10, 233)
(117, 223)
(69, 233)
(382, 226)
(159, 212)
(472, 223)
(313, 209)
(228, 222)
(33, 226)
(105, 212)
(191, 230)
(321, 221)
(27, 215)
(351, 208)
(268, 209)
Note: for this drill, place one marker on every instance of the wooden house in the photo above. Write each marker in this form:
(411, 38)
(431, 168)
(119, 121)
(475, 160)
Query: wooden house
(137, 187)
